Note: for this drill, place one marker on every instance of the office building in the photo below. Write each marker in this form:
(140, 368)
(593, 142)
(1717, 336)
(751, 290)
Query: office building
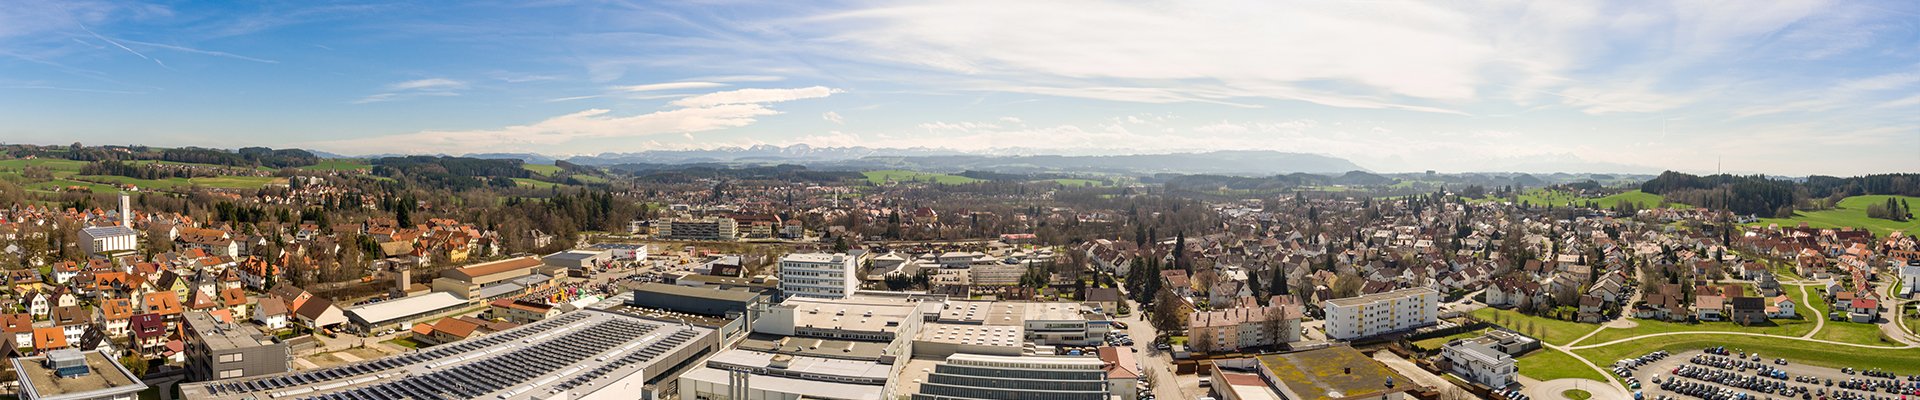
(819, 275)
(225, 350)
(1381, 313)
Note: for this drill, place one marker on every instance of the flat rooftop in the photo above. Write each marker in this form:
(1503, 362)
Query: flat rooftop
(807, 389)
(805, 365)
(106, 376)
(815, 347)
(1402, 293)
(1322, 374)
(852, 314)
(389, 310)
(570, 355)
(221, 336)
(977, 335)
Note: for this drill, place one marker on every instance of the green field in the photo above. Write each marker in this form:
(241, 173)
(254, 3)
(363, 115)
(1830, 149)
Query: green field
(1549, 364)
(340, 164)
(584, 178)
(1849, 332)
(1543, 197)
(1851, 212)
(1549, 330)
(1074, 182)
(225, 182)
(1900, 361)
(542, 169)
(524, 182)
(1577, 394)
(882, 176)
(1783, 327)
(1644, 199)
(151, 162)
(59, 184)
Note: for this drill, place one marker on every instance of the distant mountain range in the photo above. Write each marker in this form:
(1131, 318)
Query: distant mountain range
(941, 160)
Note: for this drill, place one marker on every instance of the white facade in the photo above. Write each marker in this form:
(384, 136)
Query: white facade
(1481, 364)
(819, 275)
(103, 239)
(1374, 314)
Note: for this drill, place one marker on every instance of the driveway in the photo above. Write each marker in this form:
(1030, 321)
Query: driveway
(1411, 370)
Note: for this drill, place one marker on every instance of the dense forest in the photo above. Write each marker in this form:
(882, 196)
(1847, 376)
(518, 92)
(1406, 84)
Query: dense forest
(246, 157)
(117, 168)
(457, 173)
(1761, 195)
(662, 173)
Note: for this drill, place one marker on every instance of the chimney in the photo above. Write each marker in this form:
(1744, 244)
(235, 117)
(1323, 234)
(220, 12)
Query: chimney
(126, 211)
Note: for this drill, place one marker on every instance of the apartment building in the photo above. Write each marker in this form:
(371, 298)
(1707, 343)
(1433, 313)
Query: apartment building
(1380, 313)
(718, 229)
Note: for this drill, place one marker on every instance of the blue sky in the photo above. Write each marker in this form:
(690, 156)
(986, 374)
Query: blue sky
(1781, 87)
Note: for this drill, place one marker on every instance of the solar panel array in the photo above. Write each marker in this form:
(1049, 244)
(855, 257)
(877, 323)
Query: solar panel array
(328, 375)
(644, 355)
(475, 379)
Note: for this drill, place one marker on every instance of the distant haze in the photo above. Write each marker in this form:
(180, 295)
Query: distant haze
(1791, 87)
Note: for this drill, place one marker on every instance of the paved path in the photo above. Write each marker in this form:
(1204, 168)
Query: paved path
(1550, 390)
(1806, 299)
(1584, 347)
(348, 357)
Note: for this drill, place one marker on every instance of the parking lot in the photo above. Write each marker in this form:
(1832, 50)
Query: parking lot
(1736, 376)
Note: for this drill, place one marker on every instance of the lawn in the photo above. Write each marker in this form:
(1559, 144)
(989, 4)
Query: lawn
(1900, 361)
(162, 162)
(542, 169)
(1577, 394)
(1783, 327)
(57, 184)
(54, 164)
(1851, 212)
(1546, 329)
(882, 176)
(1816, 301)
(1556, 198)
(1849, 332)
(404, 342)
(1435, 343)
(1549, 364)
(340, 164)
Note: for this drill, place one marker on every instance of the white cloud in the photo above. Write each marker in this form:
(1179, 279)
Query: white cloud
(729, 109)
(668, 86)
(754, 96)
(428, 84)
(833, 117)
(429, 87)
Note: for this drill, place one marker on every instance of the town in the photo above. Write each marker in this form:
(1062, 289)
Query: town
(207, 274)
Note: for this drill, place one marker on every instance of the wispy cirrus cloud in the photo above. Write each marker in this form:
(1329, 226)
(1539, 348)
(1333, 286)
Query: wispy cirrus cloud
(701, 113)
(428, 87)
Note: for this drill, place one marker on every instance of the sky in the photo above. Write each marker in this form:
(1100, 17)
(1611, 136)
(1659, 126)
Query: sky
(1787, 87)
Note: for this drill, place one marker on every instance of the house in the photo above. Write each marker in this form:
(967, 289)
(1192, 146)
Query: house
(1590, 308)
(49, 339)
(319, 313)
(116, 313)
(1709, 308)
(1864, 310)
(271, 313)
(1781, 307)
(1660, 306)
(149, 333)
(1747, 310)
(39, 304)
(18, 327)
(72, 321)
(1909, 279)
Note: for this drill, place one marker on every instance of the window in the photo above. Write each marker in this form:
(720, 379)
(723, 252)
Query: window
(232, 373)
(227, 358)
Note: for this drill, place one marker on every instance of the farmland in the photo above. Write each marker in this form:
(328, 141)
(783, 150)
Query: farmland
(1850, 212)
(894, 175)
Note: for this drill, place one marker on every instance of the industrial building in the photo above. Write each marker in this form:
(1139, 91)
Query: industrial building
(712, 229)
(398, 314)
(484, 281)
(753, 375)
(590, 354)
(971, 376)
